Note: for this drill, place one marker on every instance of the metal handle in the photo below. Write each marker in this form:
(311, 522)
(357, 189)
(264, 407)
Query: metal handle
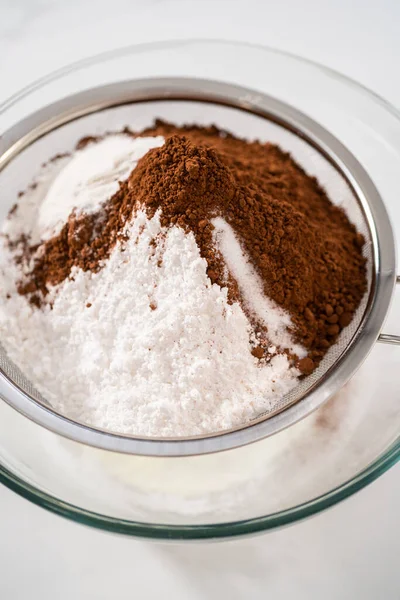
(387, 338)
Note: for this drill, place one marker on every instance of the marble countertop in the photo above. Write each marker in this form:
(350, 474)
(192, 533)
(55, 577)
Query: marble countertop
(350, 551)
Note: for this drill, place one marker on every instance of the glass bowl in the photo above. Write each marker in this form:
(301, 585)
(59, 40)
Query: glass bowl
(342, 446)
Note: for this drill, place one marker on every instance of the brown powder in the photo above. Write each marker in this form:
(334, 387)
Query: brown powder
(305, 249)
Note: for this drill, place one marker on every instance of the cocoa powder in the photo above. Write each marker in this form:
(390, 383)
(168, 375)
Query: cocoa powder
(306, 251)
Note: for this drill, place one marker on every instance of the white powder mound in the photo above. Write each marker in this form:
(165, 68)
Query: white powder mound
(276, 319)
(143, 347)
(91, 177)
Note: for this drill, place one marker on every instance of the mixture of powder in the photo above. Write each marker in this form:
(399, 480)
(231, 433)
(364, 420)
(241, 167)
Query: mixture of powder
(174, 282)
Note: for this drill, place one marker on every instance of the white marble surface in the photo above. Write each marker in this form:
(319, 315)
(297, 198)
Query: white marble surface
(348, 552)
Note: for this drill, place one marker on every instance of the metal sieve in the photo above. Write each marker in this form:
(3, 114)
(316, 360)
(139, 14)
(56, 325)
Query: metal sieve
(249, 114)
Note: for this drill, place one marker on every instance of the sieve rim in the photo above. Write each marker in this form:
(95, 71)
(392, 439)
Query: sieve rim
(72, 107)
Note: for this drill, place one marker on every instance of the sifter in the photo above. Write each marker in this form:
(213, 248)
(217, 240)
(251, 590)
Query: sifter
(248, 113)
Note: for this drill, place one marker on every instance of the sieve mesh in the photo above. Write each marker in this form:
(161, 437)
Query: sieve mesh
(15, 374)
(21, 170)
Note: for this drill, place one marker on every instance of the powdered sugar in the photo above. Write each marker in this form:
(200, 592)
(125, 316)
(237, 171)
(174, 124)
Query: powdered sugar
(148, 345)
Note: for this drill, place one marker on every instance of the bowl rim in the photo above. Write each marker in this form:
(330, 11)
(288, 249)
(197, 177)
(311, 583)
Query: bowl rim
(339, 493)
(226, 530)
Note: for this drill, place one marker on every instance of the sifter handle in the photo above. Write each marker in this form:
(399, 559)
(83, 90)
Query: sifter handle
(387, 338)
